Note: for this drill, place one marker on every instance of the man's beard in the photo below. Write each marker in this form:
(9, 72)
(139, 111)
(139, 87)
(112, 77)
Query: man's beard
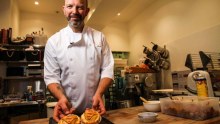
(75, 24)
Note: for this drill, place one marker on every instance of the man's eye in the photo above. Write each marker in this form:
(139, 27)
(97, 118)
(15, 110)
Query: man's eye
(69, 6)
(80, 7)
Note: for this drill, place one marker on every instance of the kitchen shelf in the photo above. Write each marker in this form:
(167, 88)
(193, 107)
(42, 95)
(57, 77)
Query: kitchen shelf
(23, 78)
(120, 54)
(20, 63)
(24, 62)
(22, 46)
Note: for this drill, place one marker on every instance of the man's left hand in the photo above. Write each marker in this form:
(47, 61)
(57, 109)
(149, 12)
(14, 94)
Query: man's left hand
(98, 104)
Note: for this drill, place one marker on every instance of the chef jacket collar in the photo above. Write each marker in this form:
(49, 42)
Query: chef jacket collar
(75, 38)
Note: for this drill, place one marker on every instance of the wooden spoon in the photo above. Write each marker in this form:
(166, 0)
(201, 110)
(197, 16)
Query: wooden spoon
(143, 99)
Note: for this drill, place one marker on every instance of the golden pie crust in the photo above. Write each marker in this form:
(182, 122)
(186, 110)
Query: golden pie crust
(90, 116)
(70, 119)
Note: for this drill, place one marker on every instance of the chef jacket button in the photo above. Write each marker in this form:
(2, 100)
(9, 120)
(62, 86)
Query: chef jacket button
(90, 58)
(90, 45)
(71, 59)
(72, 73)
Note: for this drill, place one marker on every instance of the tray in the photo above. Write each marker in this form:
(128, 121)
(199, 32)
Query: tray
(104, 121)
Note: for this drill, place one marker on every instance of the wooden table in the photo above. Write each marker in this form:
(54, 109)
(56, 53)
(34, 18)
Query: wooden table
(129, 116)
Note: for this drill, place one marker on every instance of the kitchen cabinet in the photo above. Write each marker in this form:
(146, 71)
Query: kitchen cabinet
(27, 76)
(19, 73)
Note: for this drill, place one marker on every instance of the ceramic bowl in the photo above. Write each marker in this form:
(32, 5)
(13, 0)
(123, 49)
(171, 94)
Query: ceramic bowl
(147, 117)
(152, 106)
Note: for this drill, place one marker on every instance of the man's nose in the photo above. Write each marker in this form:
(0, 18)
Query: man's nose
(74, 10)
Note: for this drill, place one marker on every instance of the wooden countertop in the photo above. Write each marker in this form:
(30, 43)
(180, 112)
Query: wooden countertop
(129, 116)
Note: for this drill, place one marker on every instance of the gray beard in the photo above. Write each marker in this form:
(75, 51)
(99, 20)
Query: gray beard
(75, 24)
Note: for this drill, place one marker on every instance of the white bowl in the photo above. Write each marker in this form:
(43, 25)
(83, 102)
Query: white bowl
(152, 106)
(147, 117)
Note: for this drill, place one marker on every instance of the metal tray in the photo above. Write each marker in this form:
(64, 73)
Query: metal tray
(104, 121)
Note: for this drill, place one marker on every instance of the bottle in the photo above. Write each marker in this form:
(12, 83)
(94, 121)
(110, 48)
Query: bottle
(201, 84)
(30, 93)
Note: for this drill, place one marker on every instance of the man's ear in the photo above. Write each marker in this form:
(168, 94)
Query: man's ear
(63, 8)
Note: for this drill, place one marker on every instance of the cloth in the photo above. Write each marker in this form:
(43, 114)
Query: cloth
(78, 61)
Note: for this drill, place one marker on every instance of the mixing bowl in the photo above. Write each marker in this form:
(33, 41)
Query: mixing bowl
(152, 106)
(147, 117)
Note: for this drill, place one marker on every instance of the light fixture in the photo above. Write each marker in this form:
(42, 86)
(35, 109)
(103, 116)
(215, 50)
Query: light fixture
(119, 14)
(36, 3)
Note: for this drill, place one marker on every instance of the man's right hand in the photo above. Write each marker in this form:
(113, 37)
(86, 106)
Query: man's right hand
(62, 108)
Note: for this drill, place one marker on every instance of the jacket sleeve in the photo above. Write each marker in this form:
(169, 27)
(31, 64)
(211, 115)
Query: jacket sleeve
(107, 66)
(51, 66)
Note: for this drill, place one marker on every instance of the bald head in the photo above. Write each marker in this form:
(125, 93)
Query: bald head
(82, 1)
(75, 12)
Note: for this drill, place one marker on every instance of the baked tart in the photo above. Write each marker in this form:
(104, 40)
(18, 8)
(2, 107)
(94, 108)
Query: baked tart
(70, 119)
(90, 116)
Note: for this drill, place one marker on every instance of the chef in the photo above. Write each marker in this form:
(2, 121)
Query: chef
(78, 64)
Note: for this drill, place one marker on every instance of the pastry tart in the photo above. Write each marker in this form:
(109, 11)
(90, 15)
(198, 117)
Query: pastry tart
(90, 116)
(70, 119)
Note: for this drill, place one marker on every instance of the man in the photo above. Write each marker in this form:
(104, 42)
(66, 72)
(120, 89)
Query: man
(78, 64)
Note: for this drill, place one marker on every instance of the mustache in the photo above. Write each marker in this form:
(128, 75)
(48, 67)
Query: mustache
(74, 16)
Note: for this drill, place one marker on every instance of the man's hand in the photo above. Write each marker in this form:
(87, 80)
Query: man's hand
(98, 104)
(62, 108)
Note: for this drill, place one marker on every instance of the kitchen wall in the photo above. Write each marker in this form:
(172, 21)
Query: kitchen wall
(5, 13)
(32, 22)
(9, 13)
(117, 36)
(184, 26)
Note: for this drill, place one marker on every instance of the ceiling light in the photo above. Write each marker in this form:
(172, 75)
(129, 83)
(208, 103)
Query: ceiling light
(36, 3)
(119, 14)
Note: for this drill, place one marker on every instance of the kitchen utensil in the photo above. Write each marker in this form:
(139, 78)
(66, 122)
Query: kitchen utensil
(152, 106)
(191, 83)
(163, 51)
(37, 86)
(164, 64)
(143, 99)
(205, 59)
(147, 117)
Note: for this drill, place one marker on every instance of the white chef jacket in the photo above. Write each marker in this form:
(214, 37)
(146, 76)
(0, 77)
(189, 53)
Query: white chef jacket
(78, 61)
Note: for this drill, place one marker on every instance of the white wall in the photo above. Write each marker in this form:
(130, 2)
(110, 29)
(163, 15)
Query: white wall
(5, 14)
(15, 18)
(184, 26)
(9, 13)
(117, 36)
(32, 22)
